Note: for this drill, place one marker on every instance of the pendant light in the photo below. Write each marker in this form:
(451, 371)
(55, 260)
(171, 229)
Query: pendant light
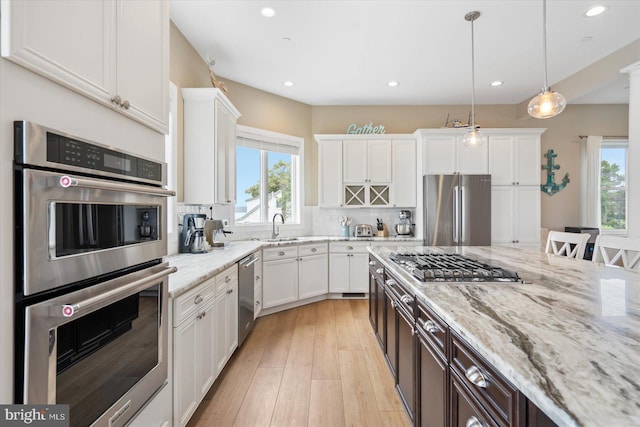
(473, 137)
(547, 103)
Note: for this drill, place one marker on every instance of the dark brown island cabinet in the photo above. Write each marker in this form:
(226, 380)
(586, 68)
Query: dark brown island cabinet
(441, 380)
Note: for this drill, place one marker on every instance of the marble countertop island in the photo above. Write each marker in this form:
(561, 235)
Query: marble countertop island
(568, 338)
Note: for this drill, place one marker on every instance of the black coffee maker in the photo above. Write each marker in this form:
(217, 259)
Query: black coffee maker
(192, 236)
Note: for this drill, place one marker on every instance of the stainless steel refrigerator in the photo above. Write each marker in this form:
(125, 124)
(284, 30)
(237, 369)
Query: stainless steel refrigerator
(457, 210)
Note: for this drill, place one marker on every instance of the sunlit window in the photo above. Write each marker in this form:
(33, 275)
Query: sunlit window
(268, 176)
(613, 186)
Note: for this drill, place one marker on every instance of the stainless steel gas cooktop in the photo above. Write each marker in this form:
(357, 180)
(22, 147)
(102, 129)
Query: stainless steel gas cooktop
(439, 267)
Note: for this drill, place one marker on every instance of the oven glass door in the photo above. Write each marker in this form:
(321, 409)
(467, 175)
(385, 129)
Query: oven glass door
(78, 228)
(103, 349)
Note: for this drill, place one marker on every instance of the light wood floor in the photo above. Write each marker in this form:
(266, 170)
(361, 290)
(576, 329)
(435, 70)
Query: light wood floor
(316, 365)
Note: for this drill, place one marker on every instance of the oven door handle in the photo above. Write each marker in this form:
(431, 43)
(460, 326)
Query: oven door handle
(66, 181)
(107, 297)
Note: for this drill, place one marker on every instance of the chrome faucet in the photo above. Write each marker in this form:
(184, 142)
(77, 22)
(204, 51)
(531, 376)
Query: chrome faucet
(275, 233)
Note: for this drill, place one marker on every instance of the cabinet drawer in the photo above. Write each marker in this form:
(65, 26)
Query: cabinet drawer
(187, 304)
(465, 409)
(227, 278)
(433, 328)
(280, 252)
(312, 249)
(401, 295)
(349, 247)
(496, 394)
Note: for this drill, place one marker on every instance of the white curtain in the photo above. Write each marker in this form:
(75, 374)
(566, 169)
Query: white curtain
(590, 187)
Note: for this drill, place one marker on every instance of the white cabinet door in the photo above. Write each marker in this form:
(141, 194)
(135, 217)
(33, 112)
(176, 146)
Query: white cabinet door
(339, 274)
(231, 320)
(403, 191)
(471, 160)
(354, 161)
(257, 289)
(101, 49)
(72, 43)
(313, 276)
(330, 173)
(280, 282)
(502, 214)
(359, 273)
(194, 366)
(527, 214)
(143, 60)
(224, 154)
(379, 160)
(440, 155)
(527, 160)
(220, 332)
(501, 160)
(185, 341)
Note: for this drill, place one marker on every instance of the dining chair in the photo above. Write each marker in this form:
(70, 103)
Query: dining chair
(560, 243)
(617, 251)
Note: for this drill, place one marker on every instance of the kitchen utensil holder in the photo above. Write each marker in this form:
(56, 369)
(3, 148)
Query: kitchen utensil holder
(344, 231)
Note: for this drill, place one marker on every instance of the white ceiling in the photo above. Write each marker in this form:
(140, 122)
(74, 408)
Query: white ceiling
(345, 52)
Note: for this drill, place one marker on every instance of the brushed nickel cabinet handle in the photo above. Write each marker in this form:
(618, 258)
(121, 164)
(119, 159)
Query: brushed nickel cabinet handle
(281, 253)
(429, 326)
(474, 422)
(197, 299)
(380, 271)
(475, 375)
(126, 105)
(406, 299)
(314, 250)
(117, 100)
(372, 263)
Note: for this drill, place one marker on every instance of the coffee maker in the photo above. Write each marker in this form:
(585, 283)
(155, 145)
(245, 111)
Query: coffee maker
(192, 236)
(404, 227)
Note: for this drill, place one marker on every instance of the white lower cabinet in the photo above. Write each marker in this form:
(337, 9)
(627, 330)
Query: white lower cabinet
(194, 369)
(293, 272)
(226, 317)
(515, 215)
(257, 287)
(348, 267)
(205, 335)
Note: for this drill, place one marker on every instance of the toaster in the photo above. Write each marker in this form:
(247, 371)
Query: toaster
(363, 230)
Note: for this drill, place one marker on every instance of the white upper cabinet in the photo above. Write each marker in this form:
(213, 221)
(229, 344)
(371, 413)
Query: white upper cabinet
(515, 159)
(114, 52)
(209, 146)
(445, 153)
(330, 173)
(366, 161)
(404, 166)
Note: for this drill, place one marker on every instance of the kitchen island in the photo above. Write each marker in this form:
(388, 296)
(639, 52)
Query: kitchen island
(568, 338)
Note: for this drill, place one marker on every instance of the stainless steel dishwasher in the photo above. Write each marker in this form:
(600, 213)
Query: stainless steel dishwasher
(246, 280)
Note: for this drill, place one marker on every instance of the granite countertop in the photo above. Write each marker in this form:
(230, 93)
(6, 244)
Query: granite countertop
(568, 338)
(193, 269)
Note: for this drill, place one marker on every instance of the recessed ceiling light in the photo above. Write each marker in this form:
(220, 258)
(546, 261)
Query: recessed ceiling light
(595, 11)
(586, 39)
(288, 83)
(393, 83)
(268, 12)
(496, 83)
(286, 39)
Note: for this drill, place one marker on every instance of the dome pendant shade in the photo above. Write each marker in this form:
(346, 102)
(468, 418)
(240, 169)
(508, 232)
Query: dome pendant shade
(474, 138)
(546, 104)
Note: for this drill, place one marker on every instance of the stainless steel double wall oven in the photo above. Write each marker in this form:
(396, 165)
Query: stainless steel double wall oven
(91, 285)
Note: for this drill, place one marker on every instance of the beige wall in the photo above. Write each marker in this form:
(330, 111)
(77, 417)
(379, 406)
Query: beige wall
(271, 112)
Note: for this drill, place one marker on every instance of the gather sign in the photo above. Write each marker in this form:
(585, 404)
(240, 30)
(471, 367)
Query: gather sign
(365, 129)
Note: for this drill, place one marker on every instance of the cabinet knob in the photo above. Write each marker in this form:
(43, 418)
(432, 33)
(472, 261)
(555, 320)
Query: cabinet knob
(314, 250)
(429, 326)
(380, 270)
(257, 277)
(349, 248)
(257, 303)
(406, 299)
(126, 104)
(372, 263)
(227, 279)
(474, 422)
(281, 253)
(475, 375)
(230, 291)
(391, 282)
(197, 299)
(117, 100)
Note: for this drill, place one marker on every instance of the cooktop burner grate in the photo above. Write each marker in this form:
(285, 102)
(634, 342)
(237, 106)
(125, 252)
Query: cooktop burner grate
(439, 267)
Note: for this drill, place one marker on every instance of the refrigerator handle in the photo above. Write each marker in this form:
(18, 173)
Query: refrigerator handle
(463, 217)
(456, 213)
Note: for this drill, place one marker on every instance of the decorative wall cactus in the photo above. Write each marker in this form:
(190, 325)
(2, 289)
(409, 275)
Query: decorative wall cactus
(551, 187)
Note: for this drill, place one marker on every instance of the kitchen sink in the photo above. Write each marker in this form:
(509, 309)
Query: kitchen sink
(281, 239)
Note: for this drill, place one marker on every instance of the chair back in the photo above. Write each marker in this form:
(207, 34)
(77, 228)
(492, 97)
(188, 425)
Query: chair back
(617, 251)
(559, 243)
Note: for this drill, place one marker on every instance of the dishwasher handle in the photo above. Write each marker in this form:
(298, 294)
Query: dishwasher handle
(248, 261)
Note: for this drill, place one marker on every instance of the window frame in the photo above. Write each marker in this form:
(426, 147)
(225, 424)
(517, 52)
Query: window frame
(616, 143)
(292, 144)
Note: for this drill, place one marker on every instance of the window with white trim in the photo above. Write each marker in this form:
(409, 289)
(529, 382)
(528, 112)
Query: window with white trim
(613, 186)
(268, 176)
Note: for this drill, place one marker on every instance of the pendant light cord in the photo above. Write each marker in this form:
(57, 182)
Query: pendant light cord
(544, 43)
(473, 81)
